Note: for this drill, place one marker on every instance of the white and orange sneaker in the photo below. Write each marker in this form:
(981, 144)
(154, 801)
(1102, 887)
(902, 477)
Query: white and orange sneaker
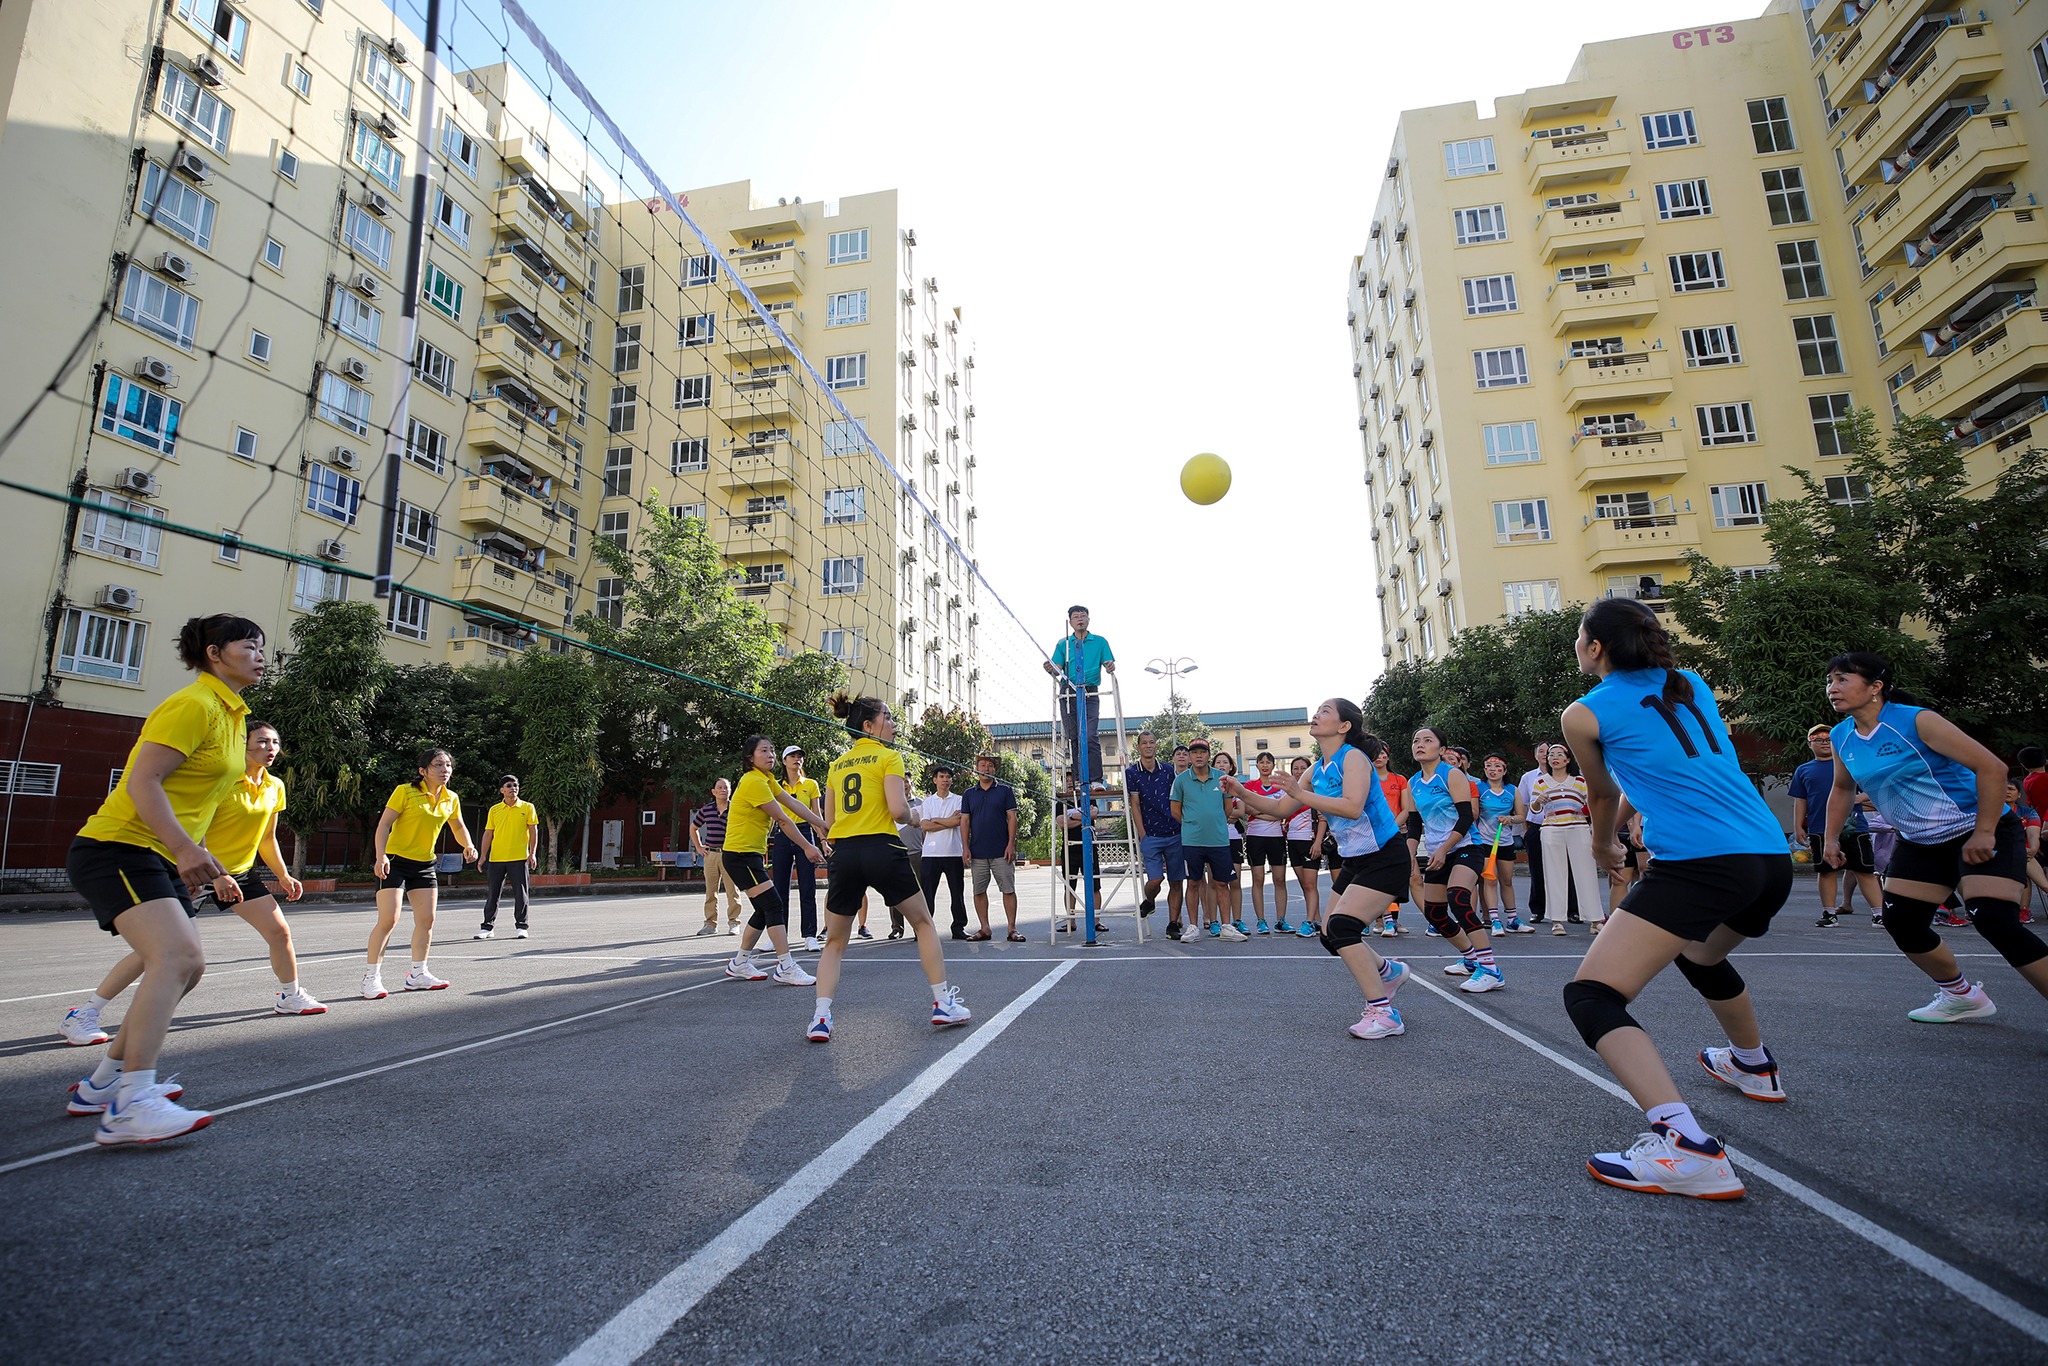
(1758, 1083)
(1666, 1162)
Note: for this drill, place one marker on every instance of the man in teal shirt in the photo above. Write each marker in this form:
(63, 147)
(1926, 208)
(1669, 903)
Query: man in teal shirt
(1204, 842)
(1078, 660)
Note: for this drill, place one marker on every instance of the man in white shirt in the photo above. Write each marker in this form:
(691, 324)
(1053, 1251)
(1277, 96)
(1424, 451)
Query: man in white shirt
(944, 856)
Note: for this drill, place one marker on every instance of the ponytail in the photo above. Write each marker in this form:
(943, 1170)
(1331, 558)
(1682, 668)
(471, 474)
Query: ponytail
(1355, 733)
(222, 629)
(1876, 669)
(1633, 639)
(856, 712)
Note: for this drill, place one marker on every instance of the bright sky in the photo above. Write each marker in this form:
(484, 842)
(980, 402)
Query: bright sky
(1148, 212)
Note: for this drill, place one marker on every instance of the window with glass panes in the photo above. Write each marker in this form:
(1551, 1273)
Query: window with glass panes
(1738, 505)
(1707, 346)
(1820, 350)
(1799, 264)
(1694, 271)
(618, 472)
(632, 289)
(1486, 223)
(1770, 125)
(1510, 443)
(1785, 196)
(1828, 411)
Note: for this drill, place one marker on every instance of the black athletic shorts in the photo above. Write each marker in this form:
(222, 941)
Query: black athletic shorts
(114, 877)
(861, 863)
(1859, 854)
(1471, 856)
(1302, 854)
(1383, 870)
(1262, 851)
(1692, 897)
(254, 888)
(1942, 864)
(747, 870)
(409, 875)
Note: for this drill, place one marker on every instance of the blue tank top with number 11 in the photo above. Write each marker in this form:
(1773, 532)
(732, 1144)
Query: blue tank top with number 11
(1677, 765)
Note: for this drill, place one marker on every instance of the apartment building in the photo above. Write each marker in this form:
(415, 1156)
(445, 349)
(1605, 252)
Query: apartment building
(210, 288)
(1591, 327)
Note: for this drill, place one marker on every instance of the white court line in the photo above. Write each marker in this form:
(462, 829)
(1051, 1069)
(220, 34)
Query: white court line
(636, 1328)
(1961, 1282)
(387, 1067)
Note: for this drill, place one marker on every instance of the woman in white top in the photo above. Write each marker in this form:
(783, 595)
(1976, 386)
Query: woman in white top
(938, 819)
(1559, 800)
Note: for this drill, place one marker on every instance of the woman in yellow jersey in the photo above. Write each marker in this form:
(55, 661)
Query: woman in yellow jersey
(243, 827)
(782, 851)
(757, 801)
(139, 860)
(866, 791)
(406, 835)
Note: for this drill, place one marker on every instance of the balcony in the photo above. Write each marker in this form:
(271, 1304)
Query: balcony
(1599, 156)
(506, 584)
(1987, 145)
(531, 159)
(756, 466)
(764, 397)
(1965, 56)
(757, 533)
(515, 284)
(496, 503)
(2007, 243)
(2002, 350)
(748, 337)
(498, 422)
(1863, 51)
(520, 211)
(1612, 301)
(775, 600)
(1590, 229)
(1832, 16)
(490, 638)
(772, 272)
(1662, 537)
(1638, 455)
(1625, 377)
(504, 348)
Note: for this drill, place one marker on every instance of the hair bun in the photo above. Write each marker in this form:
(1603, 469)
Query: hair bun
(842, 705)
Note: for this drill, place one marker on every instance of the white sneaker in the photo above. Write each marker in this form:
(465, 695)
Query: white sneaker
(87, 1099)
(297, 1001)
(1763, 1085)
(373, 986)
(950, 1009)
(1664, 1162)
(484, 934)
(1458, 967)
(1947, 1007)
(1232, 934)
(810, 944)
(82, 1026)
(1483, 978)
(419, 979)
(520, 933)
(147, 1118)
(743, 969)
(790, 975)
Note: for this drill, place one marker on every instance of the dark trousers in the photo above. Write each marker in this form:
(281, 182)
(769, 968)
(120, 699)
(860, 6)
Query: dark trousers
(497, 877)
(954, 871)
(1075, 728)
(1532, 850)
(783, 857)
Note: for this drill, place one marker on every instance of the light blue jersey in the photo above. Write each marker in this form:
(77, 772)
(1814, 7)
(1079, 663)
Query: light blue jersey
(1493, 807)
(1432, 797)
(1927, 797)
(1678, 767)
(1366, 833)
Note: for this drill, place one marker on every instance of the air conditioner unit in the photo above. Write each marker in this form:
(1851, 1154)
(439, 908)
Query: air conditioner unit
(399, 56)
(209, 71)
(1361, 422)
(1373, 393)
(1351, 318)
(1407, 478)
(909, 298)
(366, 285)
(1407, 298)
(1386, 652)
(909, 360)
(173, 265)
(1374, 534)
(1381, 292)
(1366, 338)
(1357, 370)
(1380, 591)
(910, 554)
(1415, 366)
(1398, 412)
(1443, 588)
(355, 370)
(1400, 633)
(931, 457)
(1414, 544)
(1436, 512)
(1421, 612)
(1428, 435)
(931, 399)
(1387, 508)
(1393, 168)
(331, 549)
(139, 481)
(1368, 478)
(191, 166)
(378, 203)
(117, 598)
(909, 423)
(1374, 234)
(387, 127)
(342, 458)
(1391, 350)
(1380, 450)
(156, 371)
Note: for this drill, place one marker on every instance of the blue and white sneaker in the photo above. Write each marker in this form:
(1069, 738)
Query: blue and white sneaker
(1215, 929)
(81, 1026)
(1308, 930)
(1462, 967)
(1483, 978)
(950, 1009)
(1499, 928)
(1430, 930)
(87, 1099)
(1280, 927)
(1238, 925)
(821, 1028)
(1264, 928)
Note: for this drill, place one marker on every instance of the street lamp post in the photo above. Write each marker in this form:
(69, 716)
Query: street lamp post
(1171, 670)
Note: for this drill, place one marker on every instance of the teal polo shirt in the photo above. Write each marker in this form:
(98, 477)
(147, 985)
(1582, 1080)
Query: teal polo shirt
(1094, 652)
(1202, 825)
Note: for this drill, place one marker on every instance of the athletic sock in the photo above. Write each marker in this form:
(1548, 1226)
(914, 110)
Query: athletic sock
(1677, 1116)
(106, 1072)
(938, 992)
(1483, 957)
(1959, 987)
(1753, 1057)
(99, 1002)
(1379, 1002)
(824, 1006)
(287, 988)
(419, 965)
(786, 961)
(1386, 969)
(136, 1082)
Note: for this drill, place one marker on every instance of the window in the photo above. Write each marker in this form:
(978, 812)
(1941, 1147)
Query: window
(459, 148)
(845, 575)
(1683, 199)
(433, 367)
(690, 453)
(611, 526)
(221, 21)
(259, 346)
(102, 530)
(1521, 521)
(245, 444)
(844, 646)
(315, 584)
(626, 348)
(846, 505)
(230, 549)
(1726, 424)
(611, 601)
(1715, 345)
(288, 165)
(378, 158)
(345, 405)
(1694, 271)
(1847, 490)
(273, 254)
(1427, 631)
(1827, 410)
(382, 75)
(332, 494)
(624, 413)
(847, 372)
(425, 446)
(1799, 263)
(415, 529)
(356, 320)
(1738, 504)
(1489, 294)
(96, 645)
(618, 472)
(440, 289)
(694, 330)
(847, 246)
(1673, 129)
(408, 616)
(156, 307)
(1770, 125)
(693, 391)
(843, 438)
(1511, 443)
(632, 289)
(140, 414)
(700, 270)
(842, 310)
(193, 107)
(687, 512)
(364, 236)
(1502, 368)
(1472, 156)
(1820, 351)
(1488, 223)
(2041, 64)
(171, 204)
(453, 218)
(1785, 194)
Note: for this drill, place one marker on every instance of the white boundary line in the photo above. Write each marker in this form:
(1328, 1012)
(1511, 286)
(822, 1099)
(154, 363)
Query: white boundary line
(635, 1330)
(1962, 1283)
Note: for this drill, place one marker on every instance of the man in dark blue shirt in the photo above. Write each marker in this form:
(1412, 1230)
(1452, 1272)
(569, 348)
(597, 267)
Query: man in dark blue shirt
(1811, 783)
(1148, 789)
(989, 811)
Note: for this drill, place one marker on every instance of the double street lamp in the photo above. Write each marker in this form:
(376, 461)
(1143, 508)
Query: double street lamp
(1171, 670)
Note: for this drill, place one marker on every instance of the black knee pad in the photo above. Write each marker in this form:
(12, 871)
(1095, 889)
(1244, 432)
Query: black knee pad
(1999, 922)
(1910, 923)
(1440, 918)
(1340, 932)
(1466, 912)
(1717, 982)
(769, 909)
(1597, 1010)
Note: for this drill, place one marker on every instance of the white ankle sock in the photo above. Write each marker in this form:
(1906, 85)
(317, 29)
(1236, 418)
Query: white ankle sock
(138, 1081)
(786, 961)
(99, 1002)
(939, 993)
(419, 965)
(106, 1072)
(287, 988)
(824, 1006)
(1679, 1117)
(1755, 1057)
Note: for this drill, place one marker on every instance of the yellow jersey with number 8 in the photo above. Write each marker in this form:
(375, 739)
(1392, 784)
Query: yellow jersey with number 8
(860, 803)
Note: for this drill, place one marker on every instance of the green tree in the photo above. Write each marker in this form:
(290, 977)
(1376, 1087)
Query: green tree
(1033, 786)
(1546, 673)
(1470, 692)
(1397, 704)
(1177, 723)
(804, 683)
(437, 706)
(319, 694)
(941, 733)
(552, 699)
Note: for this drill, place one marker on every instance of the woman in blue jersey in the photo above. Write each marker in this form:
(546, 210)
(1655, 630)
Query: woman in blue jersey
(1719, 874)
(1372, 868)
(1443, 798)
(1944, 794)
(1500, 809)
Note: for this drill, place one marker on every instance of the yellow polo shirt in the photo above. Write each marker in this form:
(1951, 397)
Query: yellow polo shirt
(420, 818)
(860, 801)
(242, 819)
(805, 792)
(207, 722)
(747, 820)
(508, 826)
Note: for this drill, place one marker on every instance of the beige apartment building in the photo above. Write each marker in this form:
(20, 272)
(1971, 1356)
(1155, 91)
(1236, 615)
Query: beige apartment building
(222, 196)
(1591, 328)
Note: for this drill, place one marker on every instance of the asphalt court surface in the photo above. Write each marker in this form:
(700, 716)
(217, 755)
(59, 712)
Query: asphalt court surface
(593, 1147)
